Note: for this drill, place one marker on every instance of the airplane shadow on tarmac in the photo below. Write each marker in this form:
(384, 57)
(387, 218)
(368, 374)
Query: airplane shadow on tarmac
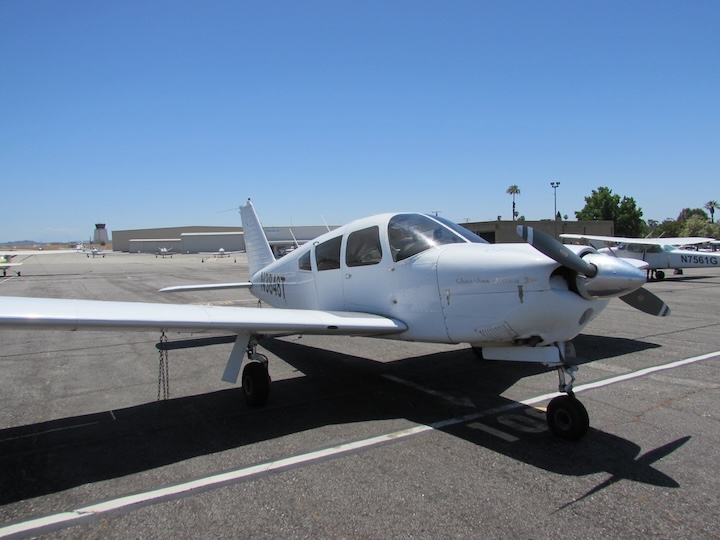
(50, 457)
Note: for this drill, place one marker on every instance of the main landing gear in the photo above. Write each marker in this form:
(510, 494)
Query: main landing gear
(655, 275)
(566, 416)
(255, 377)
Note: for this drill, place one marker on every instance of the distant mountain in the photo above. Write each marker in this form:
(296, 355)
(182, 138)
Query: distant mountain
(19, 243)
(26, 243)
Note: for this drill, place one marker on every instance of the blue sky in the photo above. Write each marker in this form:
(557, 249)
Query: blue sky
(155, 114)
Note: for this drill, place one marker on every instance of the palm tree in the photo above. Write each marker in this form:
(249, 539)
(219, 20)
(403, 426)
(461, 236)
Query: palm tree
(710, 206)
(513, 190)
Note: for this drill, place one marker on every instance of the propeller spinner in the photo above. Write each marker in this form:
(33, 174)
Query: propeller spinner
(598, 275)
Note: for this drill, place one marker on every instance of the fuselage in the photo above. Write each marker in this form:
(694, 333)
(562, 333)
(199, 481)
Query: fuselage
(660, 257)
(446, 284)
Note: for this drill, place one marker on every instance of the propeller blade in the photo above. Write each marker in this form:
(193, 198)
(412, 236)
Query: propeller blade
(646, 302)
(550, 247)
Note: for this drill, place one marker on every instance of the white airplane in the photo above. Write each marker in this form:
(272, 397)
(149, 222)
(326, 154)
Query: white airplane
(405, 276)
(95, 252)
(659, 253)
(164, 252)
(6, 257)
(219, 254)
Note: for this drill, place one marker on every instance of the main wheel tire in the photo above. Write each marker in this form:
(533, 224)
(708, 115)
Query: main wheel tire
(256, 384)
(568, 418)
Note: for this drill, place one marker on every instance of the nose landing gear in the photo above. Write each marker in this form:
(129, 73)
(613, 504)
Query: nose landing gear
(566, 416)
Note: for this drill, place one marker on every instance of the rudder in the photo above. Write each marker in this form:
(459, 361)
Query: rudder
(258, 248)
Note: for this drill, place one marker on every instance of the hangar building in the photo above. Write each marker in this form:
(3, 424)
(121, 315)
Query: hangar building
(505, 231)
(207, 239)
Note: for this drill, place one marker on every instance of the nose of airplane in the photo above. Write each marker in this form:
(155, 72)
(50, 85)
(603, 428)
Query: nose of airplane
(599, 275)
(615, 277)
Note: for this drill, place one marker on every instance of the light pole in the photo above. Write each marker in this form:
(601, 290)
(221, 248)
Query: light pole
(554, 186)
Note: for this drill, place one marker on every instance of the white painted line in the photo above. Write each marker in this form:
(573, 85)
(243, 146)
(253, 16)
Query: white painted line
(492, 431)
(203, 483)
(219, 479)
(625, 377)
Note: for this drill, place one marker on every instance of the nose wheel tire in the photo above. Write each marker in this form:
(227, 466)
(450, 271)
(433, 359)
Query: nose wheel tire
(256, 383)
(568, 418)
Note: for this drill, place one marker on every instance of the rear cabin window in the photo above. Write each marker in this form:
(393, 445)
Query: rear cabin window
(327, 254)
(363, 247)
(304, 262)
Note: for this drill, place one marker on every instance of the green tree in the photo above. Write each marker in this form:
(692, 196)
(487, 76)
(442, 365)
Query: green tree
(710, 206)
(697, 226)
(687, 213)
(604, 205)
(513, 190)
(669, 227)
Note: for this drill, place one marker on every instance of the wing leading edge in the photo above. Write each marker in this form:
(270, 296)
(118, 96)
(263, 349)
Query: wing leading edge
(675, 241)
(65, 314)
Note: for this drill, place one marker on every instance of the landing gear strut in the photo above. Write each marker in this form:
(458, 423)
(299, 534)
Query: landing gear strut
(655, 275)
(566, 416)
(255, 378)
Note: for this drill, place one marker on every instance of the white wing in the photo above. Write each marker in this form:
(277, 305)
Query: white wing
(104, 315)
(208, 287)
(674, 241)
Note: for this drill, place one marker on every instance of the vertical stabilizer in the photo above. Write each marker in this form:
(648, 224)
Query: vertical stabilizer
(257, 246)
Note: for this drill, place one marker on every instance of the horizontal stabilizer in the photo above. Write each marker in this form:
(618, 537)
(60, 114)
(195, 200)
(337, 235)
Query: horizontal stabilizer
(207, 287)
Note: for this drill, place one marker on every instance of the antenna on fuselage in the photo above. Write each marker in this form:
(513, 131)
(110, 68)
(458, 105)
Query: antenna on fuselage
(325, 222)
(294, 239)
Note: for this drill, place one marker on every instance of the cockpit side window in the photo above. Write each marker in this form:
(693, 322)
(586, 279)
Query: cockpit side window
(327, 254)
(304, 261)
(363, 247)
(410, 234)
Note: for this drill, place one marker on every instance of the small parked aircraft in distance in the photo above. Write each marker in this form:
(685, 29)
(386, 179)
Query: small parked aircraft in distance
(659, 253)
(164, 252)
(219, 254)
(95, 252)
(403, 276)
(6, 257)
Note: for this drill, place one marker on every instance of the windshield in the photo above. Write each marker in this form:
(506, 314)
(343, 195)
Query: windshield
(410, 234)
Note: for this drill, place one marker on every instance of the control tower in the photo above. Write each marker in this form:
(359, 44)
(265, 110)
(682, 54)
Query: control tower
(101, 235)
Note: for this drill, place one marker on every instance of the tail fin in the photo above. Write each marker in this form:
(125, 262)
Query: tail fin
(257, 246)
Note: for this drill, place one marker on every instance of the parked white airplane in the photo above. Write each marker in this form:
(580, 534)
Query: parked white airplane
(659, 253)
(404, 276)
(6, 257)
(164, 252)
(219, 254)
(95, 252)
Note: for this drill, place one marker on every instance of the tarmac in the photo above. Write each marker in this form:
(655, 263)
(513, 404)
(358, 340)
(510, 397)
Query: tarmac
(101, 436)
